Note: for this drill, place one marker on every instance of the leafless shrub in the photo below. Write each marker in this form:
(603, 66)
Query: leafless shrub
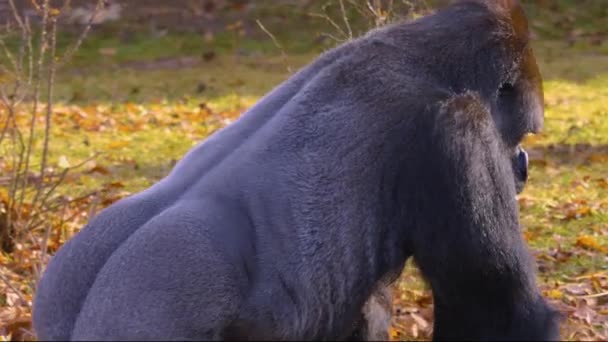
(30, 204)
(340, 14)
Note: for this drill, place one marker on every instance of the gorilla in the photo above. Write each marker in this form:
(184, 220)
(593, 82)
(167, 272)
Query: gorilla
(288, 223)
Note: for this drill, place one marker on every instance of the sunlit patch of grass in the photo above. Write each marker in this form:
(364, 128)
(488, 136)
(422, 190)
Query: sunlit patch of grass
(561, 204)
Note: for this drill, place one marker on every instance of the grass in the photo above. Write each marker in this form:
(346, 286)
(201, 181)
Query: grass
(221, 77)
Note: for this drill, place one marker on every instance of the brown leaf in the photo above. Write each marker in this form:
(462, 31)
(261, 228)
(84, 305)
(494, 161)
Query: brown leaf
(598, 158)
(99, 169)
(17, 328)
(115, 185)
(585, 313)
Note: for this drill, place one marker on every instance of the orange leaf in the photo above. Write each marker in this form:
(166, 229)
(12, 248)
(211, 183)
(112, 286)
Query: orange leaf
(554, 294)
(393, 333)
(589, 242)
(117, 144)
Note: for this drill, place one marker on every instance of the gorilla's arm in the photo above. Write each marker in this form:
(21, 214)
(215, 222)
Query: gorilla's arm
(473, 255)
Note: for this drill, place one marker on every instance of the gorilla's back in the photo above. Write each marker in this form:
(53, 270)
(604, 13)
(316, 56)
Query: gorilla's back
(239, 187)
(205, 171)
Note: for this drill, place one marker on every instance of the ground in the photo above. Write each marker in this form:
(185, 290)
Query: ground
(142, 107)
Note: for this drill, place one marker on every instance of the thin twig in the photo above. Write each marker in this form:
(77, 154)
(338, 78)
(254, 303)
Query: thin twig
(32, 336)
(276, 43)
(43, 252)
(345, 18)
(5, 102)
(14, 289)
(70, 53)
(23, 46)
(36, 6)
(71, 217)
(54, 185)
(16, 14)
(93, 206)
(49, 103)
(594, 295)
(331, 36)
(332, 22)
(41, 212)
(66, 5)
(30, 47)
(36, 97)
(601, 274)
(18, 149)
(9, 56)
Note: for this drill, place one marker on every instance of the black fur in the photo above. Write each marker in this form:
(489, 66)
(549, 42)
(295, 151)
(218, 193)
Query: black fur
(281, 225)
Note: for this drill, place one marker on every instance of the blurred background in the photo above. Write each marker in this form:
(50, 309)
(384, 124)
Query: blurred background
(98, 99)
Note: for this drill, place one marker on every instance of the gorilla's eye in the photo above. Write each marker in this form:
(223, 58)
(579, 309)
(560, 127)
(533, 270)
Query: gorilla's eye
(506, 89)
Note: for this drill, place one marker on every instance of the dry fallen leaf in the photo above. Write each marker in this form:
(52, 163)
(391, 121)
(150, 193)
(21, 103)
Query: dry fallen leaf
(554, 294)
(588, 242)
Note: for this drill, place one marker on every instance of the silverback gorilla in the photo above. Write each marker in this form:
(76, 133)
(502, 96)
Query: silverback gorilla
(402, 143)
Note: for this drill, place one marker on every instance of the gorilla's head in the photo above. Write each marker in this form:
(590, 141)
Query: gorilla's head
(483, 46)
(517, 105)
(514, 89)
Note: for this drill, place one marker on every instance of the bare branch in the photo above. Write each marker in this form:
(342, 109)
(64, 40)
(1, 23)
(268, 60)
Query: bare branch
(43, 251)
(332, 22)
(70, 53)
(16, 14)
(345, 18)
(9, 56)
(14, 289)
(31, 69)
(30, 48)
(36, 96)
(93, 207)
(49, 102)
(41, 212)
(276, 43)
(66, 5)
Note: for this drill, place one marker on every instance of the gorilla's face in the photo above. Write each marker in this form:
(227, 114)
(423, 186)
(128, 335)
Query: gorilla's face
(518, 111)
(516, 94)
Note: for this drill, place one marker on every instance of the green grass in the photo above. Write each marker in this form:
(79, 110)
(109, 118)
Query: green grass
(220, 77)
